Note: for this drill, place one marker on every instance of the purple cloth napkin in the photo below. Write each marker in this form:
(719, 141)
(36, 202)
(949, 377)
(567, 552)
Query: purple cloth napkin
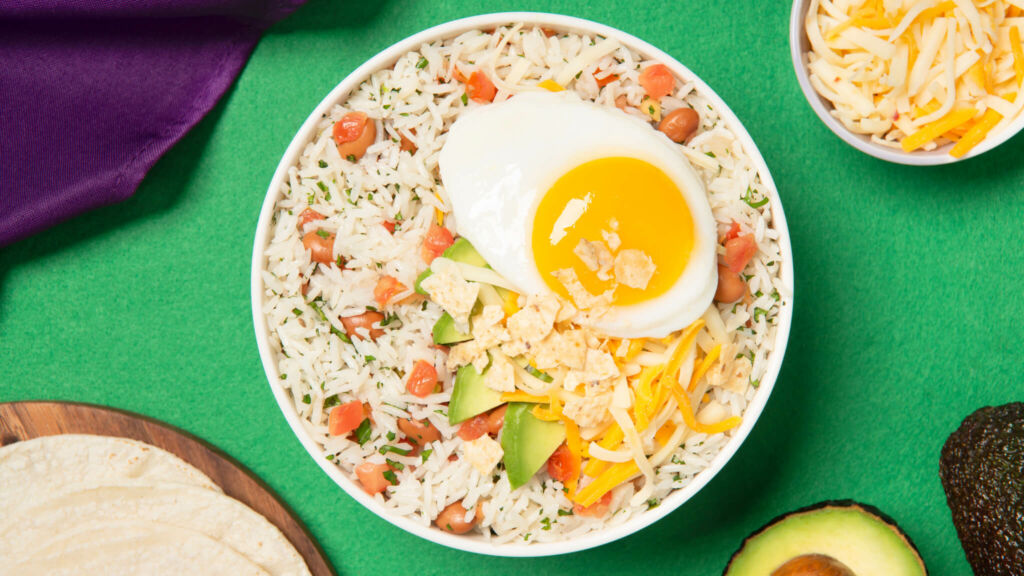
(93, 92)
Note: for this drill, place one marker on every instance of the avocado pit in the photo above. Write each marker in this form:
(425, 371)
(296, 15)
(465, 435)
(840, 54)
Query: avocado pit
(813, 565)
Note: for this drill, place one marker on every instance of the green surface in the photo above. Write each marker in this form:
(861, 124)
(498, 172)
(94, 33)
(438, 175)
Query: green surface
(907, 317)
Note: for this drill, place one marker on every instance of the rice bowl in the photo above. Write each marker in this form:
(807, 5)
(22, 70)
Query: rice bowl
(400, 89)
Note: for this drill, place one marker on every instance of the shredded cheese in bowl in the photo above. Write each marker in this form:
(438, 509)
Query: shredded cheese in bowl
(919, 74)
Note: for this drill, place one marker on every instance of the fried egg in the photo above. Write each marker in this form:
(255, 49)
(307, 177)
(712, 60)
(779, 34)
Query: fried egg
(545, 183)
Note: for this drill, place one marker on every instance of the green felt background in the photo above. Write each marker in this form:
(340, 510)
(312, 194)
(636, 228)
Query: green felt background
(907, 317)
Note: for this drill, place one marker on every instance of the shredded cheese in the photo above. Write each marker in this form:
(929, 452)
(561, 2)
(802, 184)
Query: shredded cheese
(893, 69)
(705, 364)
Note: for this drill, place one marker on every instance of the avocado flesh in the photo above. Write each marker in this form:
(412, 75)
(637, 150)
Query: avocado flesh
(528, 442)
(982, 472)
(470, 396)
(463, 251)
(445, 331)
(460, 251)
(854, 534)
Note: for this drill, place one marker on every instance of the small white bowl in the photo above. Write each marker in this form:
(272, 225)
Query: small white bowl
(475, 543)
(799, 46)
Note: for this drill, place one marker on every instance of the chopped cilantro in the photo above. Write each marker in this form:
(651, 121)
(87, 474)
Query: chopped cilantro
(465, 99)
(330, 457)
(422, 63)
(565, 512)
(545, 523)
(395, 465)
(369, 358)
(331, 401)
(321, 186)
(390, 477)
(426, 454)
(390, 436)
(318, 311)
(653, 503)
(323, 233)
(344, 337)
(297, 311)
(748, 197)
(394, 449)
(351, 157)
(712, 154)
(363, 432)
(306, 399)
(284, 376)
(542, 376)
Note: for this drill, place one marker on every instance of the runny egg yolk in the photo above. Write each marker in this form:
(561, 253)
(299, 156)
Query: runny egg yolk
(625, 196)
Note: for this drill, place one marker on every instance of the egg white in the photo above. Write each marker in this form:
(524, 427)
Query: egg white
(499, 160)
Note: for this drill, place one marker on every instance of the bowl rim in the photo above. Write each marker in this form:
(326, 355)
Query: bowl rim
(478, 545)
(822, 107)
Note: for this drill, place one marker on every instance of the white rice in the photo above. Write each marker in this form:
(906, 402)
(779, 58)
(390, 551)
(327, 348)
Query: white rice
(418, 100)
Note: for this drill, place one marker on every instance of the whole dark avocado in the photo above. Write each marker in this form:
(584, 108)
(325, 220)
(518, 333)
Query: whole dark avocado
(982, 471)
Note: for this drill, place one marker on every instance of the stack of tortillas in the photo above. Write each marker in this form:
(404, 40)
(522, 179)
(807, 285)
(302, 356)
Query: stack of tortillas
(80, 504)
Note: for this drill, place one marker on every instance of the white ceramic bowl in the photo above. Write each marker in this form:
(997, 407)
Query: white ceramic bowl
(799, 46)
(470, 543)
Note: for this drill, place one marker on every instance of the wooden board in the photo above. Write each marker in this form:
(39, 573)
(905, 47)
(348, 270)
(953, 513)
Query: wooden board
(25, 420)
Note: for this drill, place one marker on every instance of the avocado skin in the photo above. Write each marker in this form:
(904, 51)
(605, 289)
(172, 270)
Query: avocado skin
(982, 472)
(845, 503)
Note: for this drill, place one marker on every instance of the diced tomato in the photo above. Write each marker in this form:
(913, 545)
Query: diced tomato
(458, 75)
(733, 232)
(422, 379)
(371, 476)
(308, 215)
(473, 428)
(364, 320)
(739, 251)
(423, 432)
(386, 289)
(657, 81)
(549, 32)
(345, 418)
(480, 88)
(595, 510)
(602, 82)
(437, 241)
(320, 246)
(389, 225)
(496, 419)
(563, 466)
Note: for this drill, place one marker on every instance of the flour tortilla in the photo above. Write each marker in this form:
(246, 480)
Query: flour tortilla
(132, 547)
(56, 464)
(215, 515)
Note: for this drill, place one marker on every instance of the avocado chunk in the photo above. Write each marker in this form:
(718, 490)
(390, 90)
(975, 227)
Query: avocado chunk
(470, 396)
(982, 472)
(528, 442)
(831, 537)
(445, 331)
(419, 280)
(460, 251)
(463, 251)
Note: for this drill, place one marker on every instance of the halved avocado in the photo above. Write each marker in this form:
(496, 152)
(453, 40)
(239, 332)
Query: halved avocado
(470, 396)
(833, 538)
